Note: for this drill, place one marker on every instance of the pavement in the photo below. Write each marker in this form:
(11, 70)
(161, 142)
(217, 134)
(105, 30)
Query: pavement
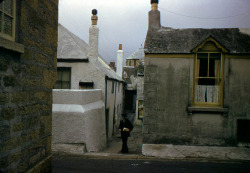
(162, 152)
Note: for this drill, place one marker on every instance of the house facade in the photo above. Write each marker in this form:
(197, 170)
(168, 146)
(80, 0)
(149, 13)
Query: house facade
(196, 85)
(28, 48)
(81, 67)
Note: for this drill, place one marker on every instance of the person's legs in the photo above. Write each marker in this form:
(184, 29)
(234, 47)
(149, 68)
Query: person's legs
(124, 144)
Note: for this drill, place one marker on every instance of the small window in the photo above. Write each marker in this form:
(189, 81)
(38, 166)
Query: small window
(7, 19)
(63, 78)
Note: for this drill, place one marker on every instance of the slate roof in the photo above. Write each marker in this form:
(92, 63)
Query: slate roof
(138, 54)
(168, 40)
(71, 46)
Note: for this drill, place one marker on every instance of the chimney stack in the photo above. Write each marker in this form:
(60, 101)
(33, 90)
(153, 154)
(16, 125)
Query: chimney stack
(154, 20)
(119, 68)
(93, 36)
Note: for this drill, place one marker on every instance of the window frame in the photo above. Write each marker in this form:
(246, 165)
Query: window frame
(221, 85)
(13, 16)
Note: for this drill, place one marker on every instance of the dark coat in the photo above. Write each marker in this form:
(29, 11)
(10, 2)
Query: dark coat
(125, 123)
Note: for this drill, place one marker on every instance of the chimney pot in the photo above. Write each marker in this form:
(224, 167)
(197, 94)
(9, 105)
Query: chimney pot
(120, 46)
(154, 1)
(94, 12)
(94, 17)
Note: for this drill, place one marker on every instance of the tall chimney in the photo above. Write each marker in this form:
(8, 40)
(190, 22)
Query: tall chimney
(154, 17)
(119, 62)
(93, 36)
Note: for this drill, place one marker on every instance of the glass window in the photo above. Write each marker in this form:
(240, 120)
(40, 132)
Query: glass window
(7, 19)
(208, 78)
(63, 78)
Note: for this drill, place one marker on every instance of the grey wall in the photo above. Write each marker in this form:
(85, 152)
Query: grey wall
(168, 93)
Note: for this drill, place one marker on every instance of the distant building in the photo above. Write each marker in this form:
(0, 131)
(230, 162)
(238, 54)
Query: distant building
(197, 85)
(133, 75)
(81, 67)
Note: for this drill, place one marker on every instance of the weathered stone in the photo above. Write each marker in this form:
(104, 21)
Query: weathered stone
(25, 91)
(46, 124)
(49, 78)
(38, 57)
(3, 64)
(8, 113)
(27, 55)
(32, 109)
(10, 81)
(16, 157)
(4, 162)
(4, 98)
(9, 144)
(19, 97)
(18, 127)
(4, 131)
(50, 32)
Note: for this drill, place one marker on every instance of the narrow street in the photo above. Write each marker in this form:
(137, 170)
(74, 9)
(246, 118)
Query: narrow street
(112, 161)
(77, 164)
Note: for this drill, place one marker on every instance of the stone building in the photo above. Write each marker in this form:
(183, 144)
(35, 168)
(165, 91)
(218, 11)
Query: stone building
(28, 50)
(197, 85)
(81, 67)
(133, 75)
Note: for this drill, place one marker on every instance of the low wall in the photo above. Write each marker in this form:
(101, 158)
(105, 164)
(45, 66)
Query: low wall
(79, 119)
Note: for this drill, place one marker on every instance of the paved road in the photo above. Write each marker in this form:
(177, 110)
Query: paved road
(76, 164)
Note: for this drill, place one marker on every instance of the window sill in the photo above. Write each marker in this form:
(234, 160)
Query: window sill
(223, 111)
(11, 45)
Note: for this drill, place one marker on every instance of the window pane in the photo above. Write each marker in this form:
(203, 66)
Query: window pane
(65, 76)
(7, 25)
(65, 85)
(8, 6)
(214, 65)
(202, 64)
(59, 75)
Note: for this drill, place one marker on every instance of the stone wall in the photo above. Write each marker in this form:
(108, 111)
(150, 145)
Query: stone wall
(26, 81)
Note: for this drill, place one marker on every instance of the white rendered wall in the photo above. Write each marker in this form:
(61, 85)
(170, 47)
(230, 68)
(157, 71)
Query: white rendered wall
(113, 100)
(93, 41)
(85, 72)
(79, 117)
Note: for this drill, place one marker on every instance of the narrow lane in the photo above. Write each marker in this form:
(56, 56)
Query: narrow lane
(73, 164)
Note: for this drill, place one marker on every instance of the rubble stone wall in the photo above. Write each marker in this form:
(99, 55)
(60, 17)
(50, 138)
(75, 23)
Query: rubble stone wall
(27, 76)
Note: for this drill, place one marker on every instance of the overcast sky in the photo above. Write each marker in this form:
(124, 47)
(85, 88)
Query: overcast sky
(126, 21)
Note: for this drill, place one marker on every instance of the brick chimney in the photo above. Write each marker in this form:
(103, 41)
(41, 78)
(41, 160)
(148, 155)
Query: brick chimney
(154, 17)
(93, 37)
(119, 61)
(112, 65)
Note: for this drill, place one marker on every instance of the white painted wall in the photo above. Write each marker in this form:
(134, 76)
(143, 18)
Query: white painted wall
(85, 72)
(79, 117)
(114, 100)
